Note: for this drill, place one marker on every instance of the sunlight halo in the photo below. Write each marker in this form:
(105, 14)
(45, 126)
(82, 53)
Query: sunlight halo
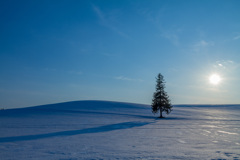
(214, 79)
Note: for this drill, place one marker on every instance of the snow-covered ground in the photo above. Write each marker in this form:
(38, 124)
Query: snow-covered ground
(112, 130)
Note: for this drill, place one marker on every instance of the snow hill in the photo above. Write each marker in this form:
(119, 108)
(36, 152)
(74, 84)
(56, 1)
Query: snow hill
(113, 130)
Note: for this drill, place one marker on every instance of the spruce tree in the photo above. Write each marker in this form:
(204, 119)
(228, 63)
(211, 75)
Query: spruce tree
(161, 101)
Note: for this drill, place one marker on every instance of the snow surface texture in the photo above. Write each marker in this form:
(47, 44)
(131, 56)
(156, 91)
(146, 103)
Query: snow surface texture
(112, 130)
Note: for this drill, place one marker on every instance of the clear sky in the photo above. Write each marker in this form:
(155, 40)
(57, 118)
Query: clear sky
(65, 50)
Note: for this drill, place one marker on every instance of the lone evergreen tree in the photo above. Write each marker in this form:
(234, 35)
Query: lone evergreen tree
(161, 101)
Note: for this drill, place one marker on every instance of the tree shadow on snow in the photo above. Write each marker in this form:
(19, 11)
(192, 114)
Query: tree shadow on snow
(111, 114)
(106, 128)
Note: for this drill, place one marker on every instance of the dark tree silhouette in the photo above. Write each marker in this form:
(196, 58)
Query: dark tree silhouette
(161, 101)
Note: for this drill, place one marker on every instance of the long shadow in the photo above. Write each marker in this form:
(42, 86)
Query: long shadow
(106, 113)
(106, 128)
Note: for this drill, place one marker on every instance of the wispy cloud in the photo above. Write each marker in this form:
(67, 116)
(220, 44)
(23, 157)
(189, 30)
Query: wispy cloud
(108, 22)
(152, 16)
(50, 69)
(53, 70)
(172, 37)
(75, 72)
(202, 44)
(123, 78)
(157, 18)
(236, 37)
(110, 54)
(226, 65)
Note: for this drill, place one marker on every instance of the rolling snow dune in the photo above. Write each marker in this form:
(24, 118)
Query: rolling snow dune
(114, 130)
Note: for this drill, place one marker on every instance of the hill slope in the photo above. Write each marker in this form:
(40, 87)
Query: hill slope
(113, 130)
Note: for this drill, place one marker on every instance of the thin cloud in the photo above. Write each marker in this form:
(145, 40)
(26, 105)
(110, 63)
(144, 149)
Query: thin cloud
(107, 22)
(202, 44)
(152, 16)
(75, 72)
(172, 34)
(50, 69)
(173, 38)
(63, 71)
(99, 14)
(226, 65)
(110, 54)
(123, 78)
(236, 37)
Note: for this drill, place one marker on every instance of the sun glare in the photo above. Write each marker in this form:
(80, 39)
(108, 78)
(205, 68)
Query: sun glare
(214, 79)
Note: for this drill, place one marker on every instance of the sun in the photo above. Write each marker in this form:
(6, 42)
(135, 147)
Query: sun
(214, 79)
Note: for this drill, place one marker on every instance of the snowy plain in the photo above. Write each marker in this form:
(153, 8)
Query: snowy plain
(113, 130)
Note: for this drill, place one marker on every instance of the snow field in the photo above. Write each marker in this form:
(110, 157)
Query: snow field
(112, 130)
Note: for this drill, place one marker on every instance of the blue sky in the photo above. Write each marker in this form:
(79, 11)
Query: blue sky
(56, 51)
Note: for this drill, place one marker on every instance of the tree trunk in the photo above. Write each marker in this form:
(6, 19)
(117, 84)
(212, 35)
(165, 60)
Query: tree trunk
(161, 110)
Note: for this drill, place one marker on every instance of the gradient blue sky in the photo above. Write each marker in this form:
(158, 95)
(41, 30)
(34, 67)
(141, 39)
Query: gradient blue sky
(56, 51)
